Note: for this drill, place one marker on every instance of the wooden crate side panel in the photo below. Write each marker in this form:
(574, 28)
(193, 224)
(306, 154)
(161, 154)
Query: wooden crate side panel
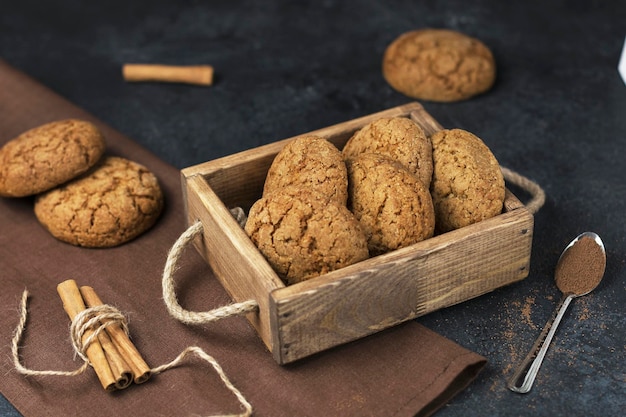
(242, 184)
(425, 121)
(234, 259)
(360, 300)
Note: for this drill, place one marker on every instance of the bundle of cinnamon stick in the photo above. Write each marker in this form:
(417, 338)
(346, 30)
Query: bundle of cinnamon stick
(113, 356)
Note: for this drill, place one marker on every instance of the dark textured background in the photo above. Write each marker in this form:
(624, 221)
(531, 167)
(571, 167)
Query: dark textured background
(556, 114)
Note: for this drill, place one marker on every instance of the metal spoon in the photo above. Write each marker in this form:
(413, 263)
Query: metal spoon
(579, 270)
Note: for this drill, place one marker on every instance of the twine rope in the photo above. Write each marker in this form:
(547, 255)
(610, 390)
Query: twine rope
(97, 319)
(169, 290)
(211, 360)
(15, 343)
(538, 195)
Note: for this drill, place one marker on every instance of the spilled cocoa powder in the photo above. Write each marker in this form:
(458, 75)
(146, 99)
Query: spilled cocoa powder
(581, 268)
(527, 311)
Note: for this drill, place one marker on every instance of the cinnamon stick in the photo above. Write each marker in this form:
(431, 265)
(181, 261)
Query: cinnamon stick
(140, 369)
(121, 370)
(191, 74)
(73, 304)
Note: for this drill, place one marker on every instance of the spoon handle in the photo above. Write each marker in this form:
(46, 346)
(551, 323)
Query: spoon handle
(524, 378)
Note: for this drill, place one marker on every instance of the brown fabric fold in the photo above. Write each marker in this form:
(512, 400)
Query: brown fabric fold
(404, 371)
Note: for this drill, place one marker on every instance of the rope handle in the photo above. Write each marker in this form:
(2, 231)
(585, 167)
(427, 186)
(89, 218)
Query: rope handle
(169, 291)
(538, 195)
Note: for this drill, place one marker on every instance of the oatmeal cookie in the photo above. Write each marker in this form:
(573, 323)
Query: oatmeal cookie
(111, 204)
(399, 138)
(303, 233)
(309, 161)
(393, 206)
(468, 185)
(439, 65)
(47, 156)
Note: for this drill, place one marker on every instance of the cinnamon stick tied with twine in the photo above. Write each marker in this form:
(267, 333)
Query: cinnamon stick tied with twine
(190, 74)
(119, 337)
(105, 343)
(74, 305)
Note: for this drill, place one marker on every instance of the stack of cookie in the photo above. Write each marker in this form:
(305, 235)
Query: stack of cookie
(302, 224)
(390, 167)
(82, 196)
(390, 187)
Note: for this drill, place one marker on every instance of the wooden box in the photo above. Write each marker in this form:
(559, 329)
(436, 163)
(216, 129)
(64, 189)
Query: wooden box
(302, 319)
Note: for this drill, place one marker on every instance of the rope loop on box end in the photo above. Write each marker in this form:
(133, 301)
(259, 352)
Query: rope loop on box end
(169, 291)
(538, 195)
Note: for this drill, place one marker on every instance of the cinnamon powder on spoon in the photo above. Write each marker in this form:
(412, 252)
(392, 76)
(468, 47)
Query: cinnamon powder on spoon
(581, 268)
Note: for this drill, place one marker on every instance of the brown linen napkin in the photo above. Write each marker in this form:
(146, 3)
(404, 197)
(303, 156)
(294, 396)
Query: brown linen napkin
(404, 371)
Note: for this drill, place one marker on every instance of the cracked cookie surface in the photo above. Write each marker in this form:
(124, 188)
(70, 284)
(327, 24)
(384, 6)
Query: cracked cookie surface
(312, 162)
(304, 234)
(468, 185)
(111, 204)
(393, 206)
(399, 138)
(439, 65)
(47, 156)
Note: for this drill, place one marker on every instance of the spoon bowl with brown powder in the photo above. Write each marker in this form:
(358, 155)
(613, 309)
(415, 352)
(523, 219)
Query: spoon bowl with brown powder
(579, 270)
